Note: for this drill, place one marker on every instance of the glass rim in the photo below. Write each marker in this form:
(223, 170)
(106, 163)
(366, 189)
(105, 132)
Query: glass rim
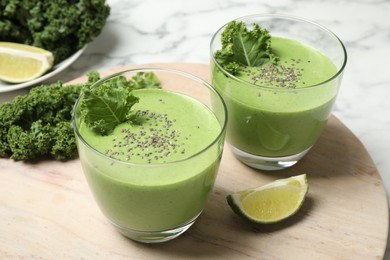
(286, 17)
(151, 69)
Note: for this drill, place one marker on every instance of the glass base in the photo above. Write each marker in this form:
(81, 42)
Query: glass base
(267, 163)
(155, 236)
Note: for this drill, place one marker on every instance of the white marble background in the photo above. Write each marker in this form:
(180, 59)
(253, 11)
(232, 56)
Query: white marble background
(145, 31)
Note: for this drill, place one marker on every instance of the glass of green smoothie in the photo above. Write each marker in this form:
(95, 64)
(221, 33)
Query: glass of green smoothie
(150, 143)
(279, 76)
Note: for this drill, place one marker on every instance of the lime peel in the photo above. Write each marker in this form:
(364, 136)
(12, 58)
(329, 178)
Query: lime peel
(272, 202)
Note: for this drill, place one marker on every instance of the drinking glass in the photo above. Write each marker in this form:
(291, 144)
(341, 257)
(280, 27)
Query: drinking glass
(272, 128)
(155, 202)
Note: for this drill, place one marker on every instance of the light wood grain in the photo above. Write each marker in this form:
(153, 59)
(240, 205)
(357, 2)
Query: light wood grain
(47, 210)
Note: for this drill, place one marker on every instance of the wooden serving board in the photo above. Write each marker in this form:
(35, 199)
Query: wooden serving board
(48, 212)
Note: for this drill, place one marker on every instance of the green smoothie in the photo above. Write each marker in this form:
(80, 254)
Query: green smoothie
(159, 170)
(274, 110)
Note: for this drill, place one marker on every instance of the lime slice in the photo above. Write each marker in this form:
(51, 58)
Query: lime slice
(21, 63)
(272, 202)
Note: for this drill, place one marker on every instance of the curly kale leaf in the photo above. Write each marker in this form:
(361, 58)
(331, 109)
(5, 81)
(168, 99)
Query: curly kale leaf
(145, 80)
(30, 143)
(59, 26)
(103, 113)
(20, 143)
(38, 124)
(243, 47)
(110, 104)
(57, 141)
(63, 145)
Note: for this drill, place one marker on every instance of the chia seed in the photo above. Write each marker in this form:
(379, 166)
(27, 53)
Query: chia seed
(149, 140)
(282, 76)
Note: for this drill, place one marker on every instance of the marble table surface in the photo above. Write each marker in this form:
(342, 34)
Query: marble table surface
(150, 31)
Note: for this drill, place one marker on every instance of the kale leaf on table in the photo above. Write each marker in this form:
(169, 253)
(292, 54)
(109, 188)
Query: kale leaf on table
(39, 124)
(59, 26)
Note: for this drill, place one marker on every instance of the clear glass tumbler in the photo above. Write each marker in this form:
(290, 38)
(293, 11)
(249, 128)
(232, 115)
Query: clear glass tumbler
(157, 200)
(273, 127)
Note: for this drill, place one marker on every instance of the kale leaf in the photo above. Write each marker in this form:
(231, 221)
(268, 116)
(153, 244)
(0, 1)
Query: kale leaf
(243, 47)
(35, 125)
(109, 104)
(59, 26)
(104, 112)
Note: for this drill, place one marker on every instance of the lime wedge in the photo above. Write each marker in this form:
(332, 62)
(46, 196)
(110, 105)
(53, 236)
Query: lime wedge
(21, 63)
(272, 202)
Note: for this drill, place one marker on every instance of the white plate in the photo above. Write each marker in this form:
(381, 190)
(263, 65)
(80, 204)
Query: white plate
(6, 87)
